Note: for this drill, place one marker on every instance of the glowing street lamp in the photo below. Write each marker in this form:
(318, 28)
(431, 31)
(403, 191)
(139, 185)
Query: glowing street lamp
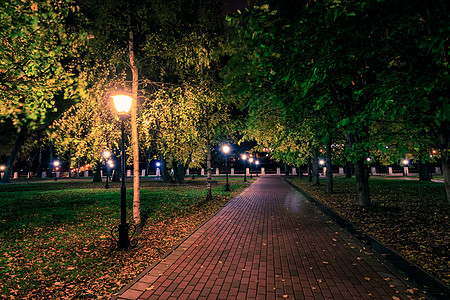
(158, 170)
(106, 156)
(123, 105)
(321, 162)
(226, 149)
(244, 158)
(2, 171)
(56, 165)
(250, 160)
(257, 164)
(405, 167)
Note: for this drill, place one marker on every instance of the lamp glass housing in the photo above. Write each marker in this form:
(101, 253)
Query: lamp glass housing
(226, 149)
(122, 103)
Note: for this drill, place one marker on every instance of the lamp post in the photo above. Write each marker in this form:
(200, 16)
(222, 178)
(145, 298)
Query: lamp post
(257, 164)
(56, 165)
(2, 171)
(250, 160)
(106, 155)
(109, 168)
(123, 105)
(226, 149)
(244, 158)
(158, 170)
(405, 167)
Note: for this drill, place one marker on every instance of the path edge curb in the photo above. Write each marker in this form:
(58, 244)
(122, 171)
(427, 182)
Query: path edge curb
(379, 248)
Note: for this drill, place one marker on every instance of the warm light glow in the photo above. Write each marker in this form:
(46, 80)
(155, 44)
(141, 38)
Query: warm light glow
(244, 156)
(434, 151)
(226, 149)
(56, 163)
(2, 168)
(158, 164)
(106, 154)
(321, 162)
(257, 162)
(110, 162)
(122, 103)
(250, 159)
(405, 161)
(368, 159)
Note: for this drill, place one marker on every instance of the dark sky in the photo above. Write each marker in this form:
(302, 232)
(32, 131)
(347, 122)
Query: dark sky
(233, 5)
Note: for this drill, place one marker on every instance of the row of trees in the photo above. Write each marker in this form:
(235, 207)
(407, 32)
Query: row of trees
(356, 78)
(351, 78)
(166, 54)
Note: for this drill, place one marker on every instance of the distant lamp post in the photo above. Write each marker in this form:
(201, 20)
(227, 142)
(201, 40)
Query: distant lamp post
(244, 158)
(56, 165)
(369, 159)
(2, 171)
(158, 169)
(110, 167)
(123, 105)
(250, 160)
(405, 167)
(321, 162)
(257, 164)
(106, 155)
(226, 149)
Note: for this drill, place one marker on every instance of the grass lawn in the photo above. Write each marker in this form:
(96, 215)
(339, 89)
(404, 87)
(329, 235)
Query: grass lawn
(55, 236)
(410, 217)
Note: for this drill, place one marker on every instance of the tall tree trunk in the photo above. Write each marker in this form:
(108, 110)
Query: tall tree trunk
(329, 169)
(444, 139)
(134, 132)
(424, 171)
(208, 173)
(21, 137)
(97, 176)
(163, 169)
(178, 169)
(316, 167)
(348, 170)
(300, 174)
(310, 171)
(38, 169)
(50, 160)
(362, 182)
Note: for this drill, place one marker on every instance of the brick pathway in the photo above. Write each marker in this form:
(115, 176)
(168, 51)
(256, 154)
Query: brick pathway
(269, 243)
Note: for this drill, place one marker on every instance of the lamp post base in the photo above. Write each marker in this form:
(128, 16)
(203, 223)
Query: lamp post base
(124, 242)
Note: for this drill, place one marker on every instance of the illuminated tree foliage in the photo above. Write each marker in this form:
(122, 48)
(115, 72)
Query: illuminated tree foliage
(360, 71)
(39, 45)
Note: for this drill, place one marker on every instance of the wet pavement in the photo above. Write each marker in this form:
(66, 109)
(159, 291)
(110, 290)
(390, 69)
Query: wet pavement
(269, 242)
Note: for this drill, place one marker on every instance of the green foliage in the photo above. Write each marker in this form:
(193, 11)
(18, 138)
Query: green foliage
(181, 120)
(37, 53)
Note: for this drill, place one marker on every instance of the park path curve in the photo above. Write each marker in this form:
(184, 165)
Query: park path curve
(269, 242)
